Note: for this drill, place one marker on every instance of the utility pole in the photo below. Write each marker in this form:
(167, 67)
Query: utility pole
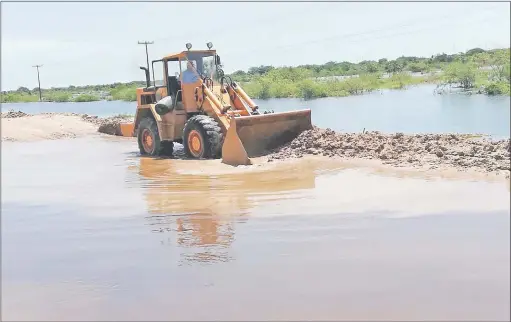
(146, 53)
(39, 82)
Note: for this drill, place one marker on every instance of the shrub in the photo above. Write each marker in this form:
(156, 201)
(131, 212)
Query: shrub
(309, 89)
(86, 98)
(418, 67)
(58, 97)
(495, 88)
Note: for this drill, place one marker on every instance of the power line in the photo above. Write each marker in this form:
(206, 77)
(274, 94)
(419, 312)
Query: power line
(39, 81)
(146, 52)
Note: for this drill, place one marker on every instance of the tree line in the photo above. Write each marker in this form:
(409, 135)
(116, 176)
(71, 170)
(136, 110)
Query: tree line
(487, 71)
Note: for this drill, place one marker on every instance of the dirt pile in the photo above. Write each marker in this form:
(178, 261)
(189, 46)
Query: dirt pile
(14, 114)
(107, 125)
(433, 150)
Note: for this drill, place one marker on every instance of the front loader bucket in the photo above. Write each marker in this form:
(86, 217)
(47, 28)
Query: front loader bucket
(127, 129)
(251, 136)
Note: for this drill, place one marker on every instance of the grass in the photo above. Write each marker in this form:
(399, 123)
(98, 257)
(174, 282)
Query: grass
(15, 97)
(264, 88)
(124, 93)
(58, 97)
(85, 98)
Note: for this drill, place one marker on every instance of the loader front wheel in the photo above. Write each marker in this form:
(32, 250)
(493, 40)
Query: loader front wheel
(202, 137)
(149, 142)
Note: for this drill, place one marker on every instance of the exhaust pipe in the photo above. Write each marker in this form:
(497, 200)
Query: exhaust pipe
(147, 78)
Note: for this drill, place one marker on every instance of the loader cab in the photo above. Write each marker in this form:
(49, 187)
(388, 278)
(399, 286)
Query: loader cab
(165, 78)
(193, 73)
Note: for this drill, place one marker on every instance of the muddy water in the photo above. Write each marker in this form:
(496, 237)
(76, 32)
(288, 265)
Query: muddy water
(92, 231)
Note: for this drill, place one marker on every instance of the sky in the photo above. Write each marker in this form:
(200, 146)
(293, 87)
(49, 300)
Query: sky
(87, 43)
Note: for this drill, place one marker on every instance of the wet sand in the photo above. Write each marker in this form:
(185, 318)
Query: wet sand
(104, 234)
(21, 127)
(44, 127)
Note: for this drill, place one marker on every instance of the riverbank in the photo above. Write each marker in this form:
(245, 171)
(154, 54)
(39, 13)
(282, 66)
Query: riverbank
(457, 152)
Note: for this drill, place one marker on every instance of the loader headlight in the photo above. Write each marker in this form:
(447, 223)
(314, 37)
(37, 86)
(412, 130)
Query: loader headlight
(188, 46)
(210, 45)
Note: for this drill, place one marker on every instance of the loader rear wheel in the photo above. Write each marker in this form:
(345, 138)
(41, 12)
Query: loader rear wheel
(202, 138)
(149, 142)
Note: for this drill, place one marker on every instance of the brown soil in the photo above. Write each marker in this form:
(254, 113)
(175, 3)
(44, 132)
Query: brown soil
(419, 150)
(108, 125)
(14, 114)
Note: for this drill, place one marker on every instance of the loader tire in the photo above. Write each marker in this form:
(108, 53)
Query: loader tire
(202, 138)
(149, 142)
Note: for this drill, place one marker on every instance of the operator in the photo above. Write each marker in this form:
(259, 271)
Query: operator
(190, 75)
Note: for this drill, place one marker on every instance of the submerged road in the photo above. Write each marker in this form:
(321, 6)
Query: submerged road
(91, 231)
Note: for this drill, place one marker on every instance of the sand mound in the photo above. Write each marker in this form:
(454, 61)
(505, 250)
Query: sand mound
(19, 126)
(107, 125)
(44, 127)
(430, 150)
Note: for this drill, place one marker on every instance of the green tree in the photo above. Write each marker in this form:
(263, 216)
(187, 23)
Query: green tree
(23, 89)
(259, 70)
(371, 67)
(499, 65)
(463, 74)
(418, 67)
(474, 51)
(393, 67)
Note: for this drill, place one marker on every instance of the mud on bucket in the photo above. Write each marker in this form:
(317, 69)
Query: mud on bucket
(252, 136)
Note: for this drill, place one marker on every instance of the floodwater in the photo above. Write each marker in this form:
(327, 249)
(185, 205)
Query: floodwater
(416, 110)
(91, 231)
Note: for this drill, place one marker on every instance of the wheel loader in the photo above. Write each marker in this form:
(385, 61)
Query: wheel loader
(191, 101)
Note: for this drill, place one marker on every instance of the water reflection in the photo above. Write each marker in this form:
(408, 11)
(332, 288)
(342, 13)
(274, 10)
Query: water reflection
(202, 209)
(210, 237)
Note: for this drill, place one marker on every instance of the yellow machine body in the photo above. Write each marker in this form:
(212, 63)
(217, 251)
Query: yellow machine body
(210, 118)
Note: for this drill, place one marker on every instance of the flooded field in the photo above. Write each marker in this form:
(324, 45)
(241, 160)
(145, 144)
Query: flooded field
(416, 110)
(92, 231)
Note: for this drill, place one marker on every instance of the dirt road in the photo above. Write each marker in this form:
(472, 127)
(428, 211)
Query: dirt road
(433, 152)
